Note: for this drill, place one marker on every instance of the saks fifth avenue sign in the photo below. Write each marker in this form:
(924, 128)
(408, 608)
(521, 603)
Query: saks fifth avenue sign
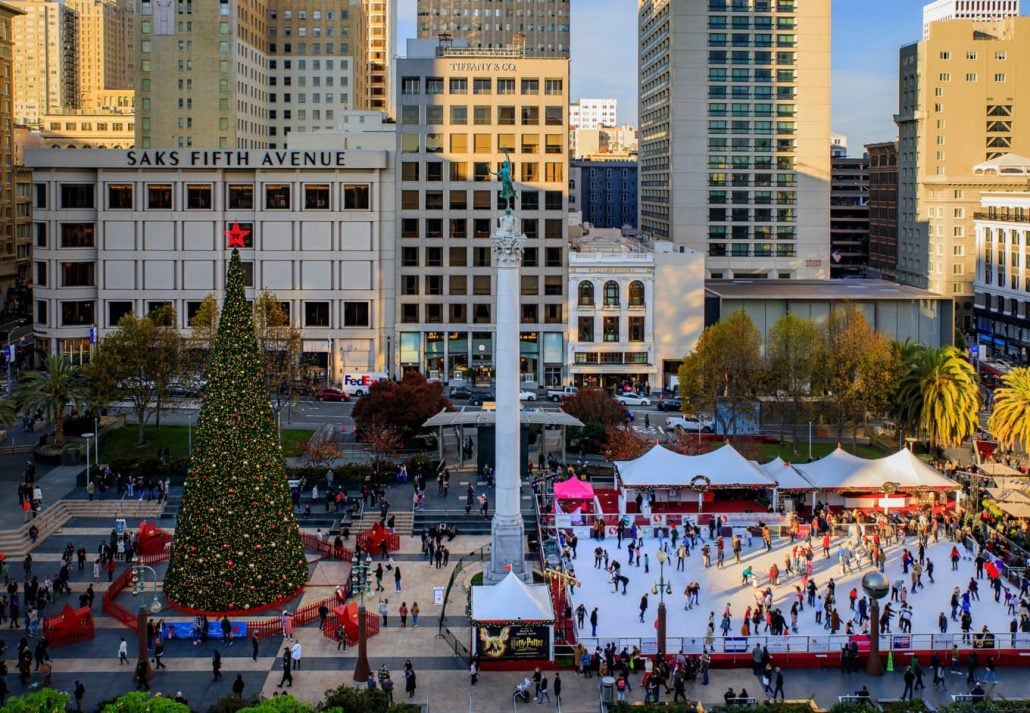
(236, 159)
(209, 159)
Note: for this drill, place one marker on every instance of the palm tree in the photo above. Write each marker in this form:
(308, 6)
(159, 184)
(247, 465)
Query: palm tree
(51, 390)
(1010, 421)
(940, 392)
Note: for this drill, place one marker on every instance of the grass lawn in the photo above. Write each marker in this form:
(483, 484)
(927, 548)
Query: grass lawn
(786, 452)
(121, 443)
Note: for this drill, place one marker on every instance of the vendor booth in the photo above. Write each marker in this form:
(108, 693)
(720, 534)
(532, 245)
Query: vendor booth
(663, 481)
(791, 486)
(512, 621)
(896, 482)
(573, 498)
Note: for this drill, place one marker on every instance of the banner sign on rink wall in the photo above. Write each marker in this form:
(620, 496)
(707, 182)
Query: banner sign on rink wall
(734, 645)
(902, 642)
(525, 641)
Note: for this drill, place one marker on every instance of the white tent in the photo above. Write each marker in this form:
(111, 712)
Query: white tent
(841, 470)
(785, 475)
(511, 599)
(662, 468)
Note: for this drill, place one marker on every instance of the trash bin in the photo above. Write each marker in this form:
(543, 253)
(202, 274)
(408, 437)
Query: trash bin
(607, 690)
(70, 455)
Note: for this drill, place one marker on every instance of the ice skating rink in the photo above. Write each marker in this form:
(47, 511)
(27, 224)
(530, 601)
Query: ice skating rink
(619, 615)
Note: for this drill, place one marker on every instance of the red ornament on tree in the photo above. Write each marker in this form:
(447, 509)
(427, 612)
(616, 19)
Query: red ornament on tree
(236, 234)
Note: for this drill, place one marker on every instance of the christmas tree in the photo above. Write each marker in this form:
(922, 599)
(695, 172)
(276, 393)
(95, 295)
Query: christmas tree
(236, 543)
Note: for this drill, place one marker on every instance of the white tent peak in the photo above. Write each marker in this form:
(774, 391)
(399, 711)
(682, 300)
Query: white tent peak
(841, 470)
(511, 599)
(725, 467)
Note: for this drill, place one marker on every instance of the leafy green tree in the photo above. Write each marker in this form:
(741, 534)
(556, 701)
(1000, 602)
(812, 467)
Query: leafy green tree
(856, 369)
(405, 404)
(792, 352)
(280, 346)
(140, 702)
(138, 361)
(940, 387)
(236, 543)
(51, 390)
(1010, 420)
(8, 412)
(725, 368)
(198, 343)
(45, 700)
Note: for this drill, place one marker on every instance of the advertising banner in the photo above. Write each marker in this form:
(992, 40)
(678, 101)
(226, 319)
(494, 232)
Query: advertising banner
(516, 641)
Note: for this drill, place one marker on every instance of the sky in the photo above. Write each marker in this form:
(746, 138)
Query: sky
(866, 36)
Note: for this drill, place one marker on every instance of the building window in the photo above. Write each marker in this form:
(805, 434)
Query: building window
(117, 310)
(77, 235)
(529, 314)
(611, 329)
(198, 196)
(316, 196)
(241, 196)
(355, 314)
(41, 235)
(41, 274)
(481, 313)
(356, 196)
(41, 312)
(586, 294)
(316, 314)
(636, 329)
(277, 196)
(119, 196)
(611, 294)
(409, 314)
(77, 195)
(77, 313)
(77, 274)
(585, 329)
(636, 294)
(482, 85)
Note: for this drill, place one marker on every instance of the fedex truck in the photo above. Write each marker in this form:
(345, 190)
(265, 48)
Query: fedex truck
(357, 384)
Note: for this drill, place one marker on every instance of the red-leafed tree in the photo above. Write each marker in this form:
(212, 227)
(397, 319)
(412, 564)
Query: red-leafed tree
(622, 443)
(598, 411)
(404, 405)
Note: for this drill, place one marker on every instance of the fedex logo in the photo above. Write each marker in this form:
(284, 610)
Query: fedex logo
(358, 380)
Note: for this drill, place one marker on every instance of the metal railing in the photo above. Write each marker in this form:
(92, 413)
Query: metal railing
(442, 631)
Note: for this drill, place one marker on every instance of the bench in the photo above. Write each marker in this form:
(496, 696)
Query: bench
(856, 699)
(965, 698)
(741, 701)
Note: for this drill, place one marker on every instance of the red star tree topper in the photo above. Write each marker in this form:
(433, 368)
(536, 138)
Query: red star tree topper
(236, 234)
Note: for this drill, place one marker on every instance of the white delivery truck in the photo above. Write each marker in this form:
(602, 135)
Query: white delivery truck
(357, 384)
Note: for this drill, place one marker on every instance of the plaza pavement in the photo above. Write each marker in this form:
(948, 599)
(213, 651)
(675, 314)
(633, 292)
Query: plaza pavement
(443, 682)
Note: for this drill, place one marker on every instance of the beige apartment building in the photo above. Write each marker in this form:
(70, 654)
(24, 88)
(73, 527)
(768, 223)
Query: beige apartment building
(46, 47)
(459, 111)
(734, 128)
(960, 95)
(106, 53)
(14, 252)
(542, 26)
(375, 55)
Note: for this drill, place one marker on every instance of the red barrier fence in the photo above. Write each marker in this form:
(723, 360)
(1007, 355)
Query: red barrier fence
(371, 541)
(68, 627)
(332, 624)
(111, 607)
(326, 549)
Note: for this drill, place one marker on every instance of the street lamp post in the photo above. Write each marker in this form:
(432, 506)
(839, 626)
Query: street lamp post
(661, 588)
(876, 585)
(360, 586)
(566, 577)
(139, 587)
(88, 436)
(809, 440)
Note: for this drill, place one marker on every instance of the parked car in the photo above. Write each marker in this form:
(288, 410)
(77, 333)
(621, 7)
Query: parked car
(561, 392)
(691, 423)
(178, 389)
(669, 405)
(630, 399)
(459, 393)
(477, 398)
(527, 395)
(328, 393)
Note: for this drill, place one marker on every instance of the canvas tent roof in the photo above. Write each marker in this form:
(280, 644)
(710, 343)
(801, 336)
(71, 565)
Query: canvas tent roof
(573, 489)
(785, 475)
(660, 467)
(511, 599)
(841, 470)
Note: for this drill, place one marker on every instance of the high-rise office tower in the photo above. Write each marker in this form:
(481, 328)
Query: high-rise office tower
(960, 101)
(245, 74)
(734, 129)
(849, 215)
(541, 25)
(14, 247)
(883, 208)
(460, 113)
(106, 53)
(312, 70)
(47, 58)
(982, 10)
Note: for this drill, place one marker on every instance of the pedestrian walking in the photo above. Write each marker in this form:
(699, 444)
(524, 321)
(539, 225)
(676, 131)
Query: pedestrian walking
(141, 675)
(403, 611)
(384, 609)
(397, 578)
(543, 691)
(238, 686)
(593, 622)
(295, 653)
(409, 682)
(159, 651)
(255, 641)
(123, 652)
(288, 672)
(778, 689)
(557, 688)
(216, 665)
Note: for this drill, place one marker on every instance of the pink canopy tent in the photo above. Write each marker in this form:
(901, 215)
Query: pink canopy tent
(573, 489)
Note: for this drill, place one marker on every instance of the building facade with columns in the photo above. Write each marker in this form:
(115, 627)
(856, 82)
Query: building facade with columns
(118, 232)
(1002, 285)
(635, 310)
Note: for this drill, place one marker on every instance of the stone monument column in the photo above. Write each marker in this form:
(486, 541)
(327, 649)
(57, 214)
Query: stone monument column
(507, 530)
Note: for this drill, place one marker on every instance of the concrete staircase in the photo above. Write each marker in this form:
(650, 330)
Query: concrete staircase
(15, 544)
